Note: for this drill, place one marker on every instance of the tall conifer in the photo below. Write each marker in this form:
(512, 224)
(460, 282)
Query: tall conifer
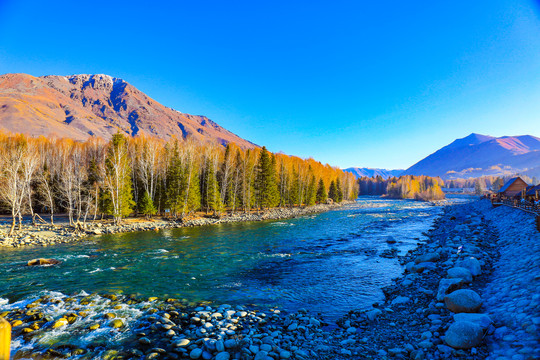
(312, 191)
(266, 187)
(321, 192)
(339, 197)
(332, 193)
(212, 199)
(146, 205)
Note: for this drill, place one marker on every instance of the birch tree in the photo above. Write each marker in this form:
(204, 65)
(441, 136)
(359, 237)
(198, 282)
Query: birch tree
(12, 185)
(117, 180)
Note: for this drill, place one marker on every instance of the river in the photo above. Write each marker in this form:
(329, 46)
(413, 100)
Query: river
(329, 263)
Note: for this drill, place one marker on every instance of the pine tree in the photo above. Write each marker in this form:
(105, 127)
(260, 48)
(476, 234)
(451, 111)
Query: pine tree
(321, 193)
(175, 187)
(339, 197)
(146, 205)
(332, 193)
(312, 191)
(265, 186)
(211, 198)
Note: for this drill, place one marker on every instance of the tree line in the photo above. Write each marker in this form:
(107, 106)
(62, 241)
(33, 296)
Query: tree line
(147, 176)
(424, 188)
(487, 182)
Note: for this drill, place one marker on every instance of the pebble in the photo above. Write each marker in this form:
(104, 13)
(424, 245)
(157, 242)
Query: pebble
(230, 343)
(400, 300)
(261, 355)
(144, 341)
(195, 353)
(284, 354)
(182, 343)
(223, 356)
(220, 346)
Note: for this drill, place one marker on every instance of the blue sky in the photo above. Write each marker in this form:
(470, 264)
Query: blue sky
(350, 83)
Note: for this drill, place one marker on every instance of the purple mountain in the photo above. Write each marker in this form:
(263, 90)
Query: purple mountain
(478, 155)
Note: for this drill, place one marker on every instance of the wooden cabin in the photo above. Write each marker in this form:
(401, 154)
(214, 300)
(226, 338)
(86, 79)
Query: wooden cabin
(533, 193)
(513, 188)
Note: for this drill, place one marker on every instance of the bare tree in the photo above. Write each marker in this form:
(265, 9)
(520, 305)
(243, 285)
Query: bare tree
(30, 165)
(46, 174)
(117, 179)
(67, 178)
(96, 151)
(147, 164)
(12, 181)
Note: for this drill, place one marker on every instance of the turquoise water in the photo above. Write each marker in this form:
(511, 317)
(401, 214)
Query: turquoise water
(329, 263)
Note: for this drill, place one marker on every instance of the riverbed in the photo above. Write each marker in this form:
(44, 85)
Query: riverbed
(329, 263)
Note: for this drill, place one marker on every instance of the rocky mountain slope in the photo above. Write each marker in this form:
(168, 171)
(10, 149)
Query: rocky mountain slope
(477, 155)
(80, 106)
(384, 173)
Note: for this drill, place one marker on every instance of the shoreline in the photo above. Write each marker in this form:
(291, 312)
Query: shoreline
(414, 318)
(61, 233)
(468, 292)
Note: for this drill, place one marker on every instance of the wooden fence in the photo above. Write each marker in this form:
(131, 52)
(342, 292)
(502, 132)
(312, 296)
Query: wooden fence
(518, 204)
(5, 339)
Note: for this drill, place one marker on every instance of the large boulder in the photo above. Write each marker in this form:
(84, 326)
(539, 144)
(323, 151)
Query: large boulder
(463, 300)
(472, 264)
(460, 273)
(40, 262)
(463, 335)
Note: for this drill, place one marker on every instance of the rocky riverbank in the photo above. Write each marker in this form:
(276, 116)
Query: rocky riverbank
(43, 235)
(512, 297)
(470, 292)
(124, 327)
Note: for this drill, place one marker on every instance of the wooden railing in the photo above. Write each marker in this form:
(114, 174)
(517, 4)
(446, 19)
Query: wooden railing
(522, 205)
(5, 339)
(518, 204)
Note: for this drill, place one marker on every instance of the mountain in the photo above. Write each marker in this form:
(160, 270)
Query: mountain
(80, 106)
(384, 173)
(478, 155)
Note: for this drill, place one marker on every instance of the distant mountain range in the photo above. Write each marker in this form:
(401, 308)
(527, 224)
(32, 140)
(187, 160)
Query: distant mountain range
(362, 172)
(79, 106)
(477, 155)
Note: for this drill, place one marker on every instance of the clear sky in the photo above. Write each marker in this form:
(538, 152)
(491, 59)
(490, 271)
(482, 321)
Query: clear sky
(350, 83)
